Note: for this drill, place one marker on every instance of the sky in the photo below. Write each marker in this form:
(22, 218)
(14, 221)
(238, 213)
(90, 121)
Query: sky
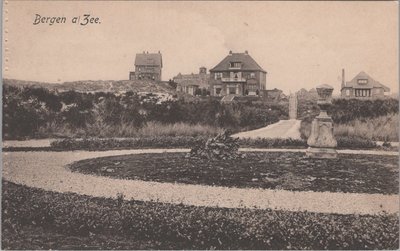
(299, 44)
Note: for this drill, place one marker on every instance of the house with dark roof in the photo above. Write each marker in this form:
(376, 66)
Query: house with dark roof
(191, 83)
(362, 86)
(237, 74)
(148, 66)
(274, 95)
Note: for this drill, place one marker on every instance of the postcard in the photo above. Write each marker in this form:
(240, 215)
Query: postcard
(194, 125)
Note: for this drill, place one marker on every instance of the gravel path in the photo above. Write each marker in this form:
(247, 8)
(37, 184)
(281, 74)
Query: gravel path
(28, 143)
(283, 129)
(47, 170)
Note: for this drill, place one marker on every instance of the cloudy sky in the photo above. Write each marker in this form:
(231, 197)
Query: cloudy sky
(299, 44)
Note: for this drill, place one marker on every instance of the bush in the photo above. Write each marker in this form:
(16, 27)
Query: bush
(273, 143)
(344, 111)
(355, 143)
(96, 144)
(168, 226)
(29, 111)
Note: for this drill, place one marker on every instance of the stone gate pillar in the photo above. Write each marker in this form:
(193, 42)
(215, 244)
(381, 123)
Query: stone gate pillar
(321, 142)
(293, 106)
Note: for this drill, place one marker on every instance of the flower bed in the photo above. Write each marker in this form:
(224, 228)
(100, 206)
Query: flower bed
(273, 170)
(98, 223)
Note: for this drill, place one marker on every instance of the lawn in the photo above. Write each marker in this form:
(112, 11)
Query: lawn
(273, 170)
(37, 219)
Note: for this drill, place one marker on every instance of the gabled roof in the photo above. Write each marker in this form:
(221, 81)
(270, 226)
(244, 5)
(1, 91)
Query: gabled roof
(148, 59)
(372, 83)
(192, 82)
(248, 63)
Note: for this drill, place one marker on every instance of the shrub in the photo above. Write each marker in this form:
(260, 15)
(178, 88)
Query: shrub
(273, 143)
(355, 143)
(96, 144)
(86, 113)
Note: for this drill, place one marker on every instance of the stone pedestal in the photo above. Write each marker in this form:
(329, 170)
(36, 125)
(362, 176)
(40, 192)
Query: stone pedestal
(321, 153)
(321, 142)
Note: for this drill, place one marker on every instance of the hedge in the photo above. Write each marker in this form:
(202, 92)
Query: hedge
(168, 226)
(96, 144)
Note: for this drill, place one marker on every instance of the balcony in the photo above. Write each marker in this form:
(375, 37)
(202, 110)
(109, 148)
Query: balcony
(233, 80)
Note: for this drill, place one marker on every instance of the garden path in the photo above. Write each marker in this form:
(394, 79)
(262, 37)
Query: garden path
(27, 143)
(282, 129)
(47, 170)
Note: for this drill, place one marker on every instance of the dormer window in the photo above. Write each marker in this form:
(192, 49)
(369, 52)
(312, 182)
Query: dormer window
(218, 75)
(236, 65)
(362, 81)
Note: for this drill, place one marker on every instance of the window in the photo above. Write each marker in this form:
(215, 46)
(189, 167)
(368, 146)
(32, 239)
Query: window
(235, 64)
(252, 87)
(347, 93)
(363, 93)
(252, 75)
(218, 75)
(362, 81)
(236, 75)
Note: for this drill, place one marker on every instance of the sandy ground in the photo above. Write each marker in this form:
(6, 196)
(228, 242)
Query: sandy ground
(28, 143)
(283, 129)
(47, 170)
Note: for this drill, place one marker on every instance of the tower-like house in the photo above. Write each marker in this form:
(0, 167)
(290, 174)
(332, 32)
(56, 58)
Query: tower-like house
(148, 66)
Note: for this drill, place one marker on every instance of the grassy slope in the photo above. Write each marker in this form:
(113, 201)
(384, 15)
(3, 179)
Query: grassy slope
(378, 129)
(98, 85)
(381, 128)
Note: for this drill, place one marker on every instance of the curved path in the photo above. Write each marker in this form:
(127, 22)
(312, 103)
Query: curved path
(283, 129)
(47, 170)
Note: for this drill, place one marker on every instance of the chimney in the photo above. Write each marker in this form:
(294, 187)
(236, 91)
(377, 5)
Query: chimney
(246, 52)
(159, 52)
(230, 52)
(343, 79)
(203, 70)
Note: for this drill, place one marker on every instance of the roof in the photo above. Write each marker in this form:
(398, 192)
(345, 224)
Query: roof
(191, 82)
(200, 79)
(324, 86)
(372, 83)
(148, 59)
(248, 63)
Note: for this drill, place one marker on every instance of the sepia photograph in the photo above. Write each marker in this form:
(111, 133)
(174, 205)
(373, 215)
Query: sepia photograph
(200, 125)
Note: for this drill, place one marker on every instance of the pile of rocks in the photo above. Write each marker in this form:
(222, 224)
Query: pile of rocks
(222, 147)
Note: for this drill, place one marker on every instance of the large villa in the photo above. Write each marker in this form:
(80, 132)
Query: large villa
(237, 74)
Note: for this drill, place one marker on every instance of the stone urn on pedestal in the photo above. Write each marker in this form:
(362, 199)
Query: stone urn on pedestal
(321, 142)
